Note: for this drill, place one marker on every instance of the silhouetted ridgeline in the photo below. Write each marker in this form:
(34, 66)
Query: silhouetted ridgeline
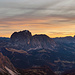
(25, 40)
(28, 53)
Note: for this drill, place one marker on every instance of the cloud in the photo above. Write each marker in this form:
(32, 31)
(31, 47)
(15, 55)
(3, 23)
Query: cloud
(32, 8)
(39, 16)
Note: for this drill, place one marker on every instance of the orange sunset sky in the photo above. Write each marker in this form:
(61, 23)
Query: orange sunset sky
(56, 18)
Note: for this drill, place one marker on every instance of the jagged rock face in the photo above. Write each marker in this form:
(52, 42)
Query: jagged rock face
(25, 40)
(21, 39)
(42, 41)
(5, 63)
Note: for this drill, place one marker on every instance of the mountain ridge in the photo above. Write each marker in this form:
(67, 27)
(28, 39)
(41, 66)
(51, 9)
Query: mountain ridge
(6, 67)
(25, 40)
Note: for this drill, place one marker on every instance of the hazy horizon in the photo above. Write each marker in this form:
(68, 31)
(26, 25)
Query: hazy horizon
(55, 18)
(38, 34)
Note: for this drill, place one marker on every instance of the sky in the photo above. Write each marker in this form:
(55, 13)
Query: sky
(56, 18)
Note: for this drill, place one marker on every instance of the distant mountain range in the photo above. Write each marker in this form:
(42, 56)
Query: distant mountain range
(27, 53)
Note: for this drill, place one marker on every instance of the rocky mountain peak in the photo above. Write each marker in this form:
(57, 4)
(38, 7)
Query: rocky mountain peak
(25, 40)
(43, 41)
(20, 36)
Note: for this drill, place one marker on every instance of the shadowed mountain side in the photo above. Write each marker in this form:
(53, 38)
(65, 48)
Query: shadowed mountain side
(37, 71)
(6, 67)
(24, 40)
(27, 59)
(69, 72)
(26, 51)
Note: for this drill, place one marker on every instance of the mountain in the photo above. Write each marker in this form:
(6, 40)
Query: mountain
(6, 67)
(58, 60)
(24, 40)
(69, 72)
(66, 40)
(26, 51)
(26, 59)
(45, 70)
(4, 41)
(4, 38)
(42, 41)
(21, 39)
